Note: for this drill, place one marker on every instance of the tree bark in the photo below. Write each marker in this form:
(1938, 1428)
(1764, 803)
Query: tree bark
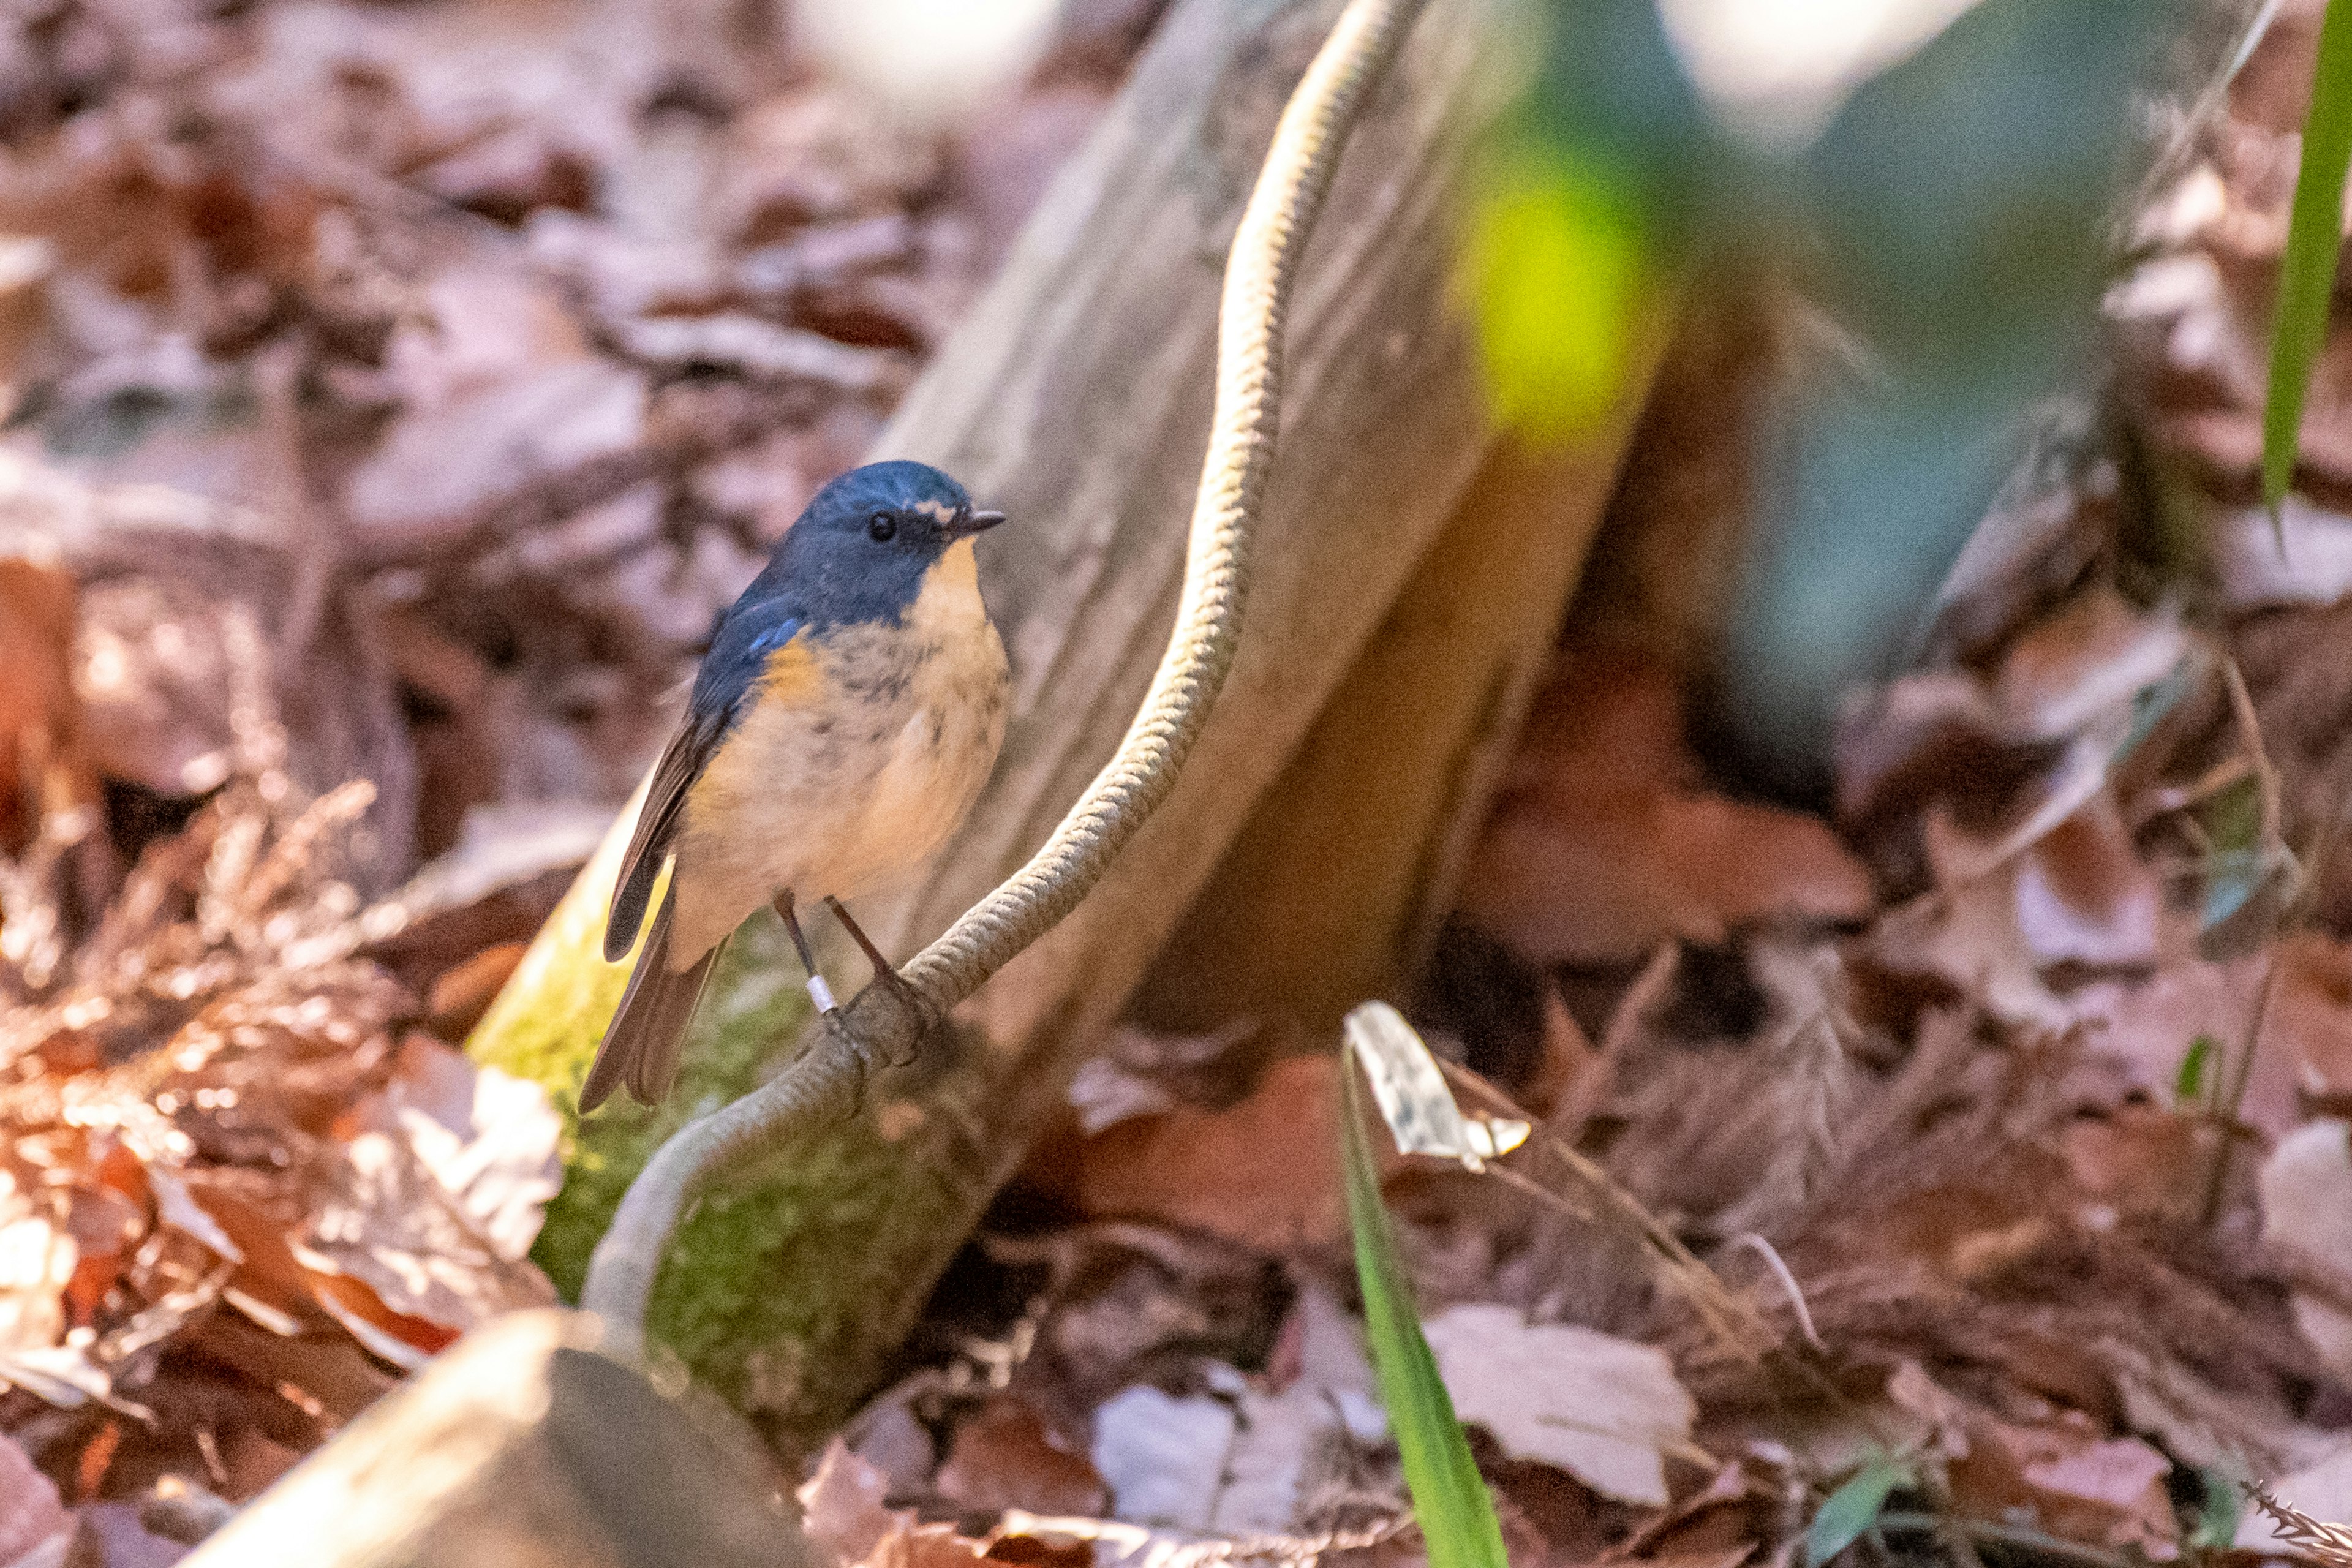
(1334, 890)
(1077, 398)
(524, 1447)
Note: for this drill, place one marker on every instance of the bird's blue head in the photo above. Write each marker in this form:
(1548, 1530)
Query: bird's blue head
(862, 549)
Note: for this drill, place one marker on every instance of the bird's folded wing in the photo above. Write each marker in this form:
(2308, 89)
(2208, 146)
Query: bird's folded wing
(689, 753)
(744, 649)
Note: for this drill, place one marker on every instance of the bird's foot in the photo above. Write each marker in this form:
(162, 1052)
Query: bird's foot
(917, 1005)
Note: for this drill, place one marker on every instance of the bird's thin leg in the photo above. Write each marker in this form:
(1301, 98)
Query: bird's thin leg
(883, 972)
(819, 992)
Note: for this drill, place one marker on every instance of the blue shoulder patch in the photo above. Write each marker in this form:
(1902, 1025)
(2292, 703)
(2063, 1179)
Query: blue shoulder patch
(747, 634)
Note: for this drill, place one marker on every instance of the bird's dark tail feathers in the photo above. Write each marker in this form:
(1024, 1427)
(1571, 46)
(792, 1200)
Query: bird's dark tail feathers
(641, 1044)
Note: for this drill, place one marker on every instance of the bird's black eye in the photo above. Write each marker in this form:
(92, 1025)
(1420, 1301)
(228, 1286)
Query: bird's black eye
(882, 526)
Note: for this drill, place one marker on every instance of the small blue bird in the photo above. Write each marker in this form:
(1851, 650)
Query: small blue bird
(848, 712)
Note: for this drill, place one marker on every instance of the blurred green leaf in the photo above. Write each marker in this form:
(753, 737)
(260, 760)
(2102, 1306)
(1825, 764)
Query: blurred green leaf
(2189, 1087)
(1554, 257)
(1449, 1498)
(1854, 1507)
(2239, 862)
(2217, 1518)
(1610, 93)
(1966, 189)
(2314, 239)
(2152, 703)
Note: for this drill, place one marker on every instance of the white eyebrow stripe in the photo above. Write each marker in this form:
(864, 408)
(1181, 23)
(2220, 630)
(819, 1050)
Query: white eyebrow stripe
(936, 511)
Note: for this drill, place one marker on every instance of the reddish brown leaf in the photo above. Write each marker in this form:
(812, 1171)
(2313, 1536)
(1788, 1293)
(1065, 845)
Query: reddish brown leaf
(41, 765)
(2065, 1478)
(1602, 846)
(1266, 1172)
(1004, 1457)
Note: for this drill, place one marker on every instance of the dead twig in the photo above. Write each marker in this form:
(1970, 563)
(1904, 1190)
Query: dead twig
(1742, 1330)
(2330, 1543)
(2239, 1069)
(2018, 1537)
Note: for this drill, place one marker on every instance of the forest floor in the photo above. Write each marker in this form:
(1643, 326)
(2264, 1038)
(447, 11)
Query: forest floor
(396, 393)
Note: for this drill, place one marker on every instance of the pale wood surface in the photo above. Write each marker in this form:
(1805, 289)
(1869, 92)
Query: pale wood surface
(1334, 891)
(524, 1447)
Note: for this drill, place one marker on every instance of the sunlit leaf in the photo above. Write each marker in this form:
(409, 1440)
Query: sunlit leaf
(2315, 237)
(1554, 263)
(1853, 1508)
(1422, 1113)
(1449, 1499)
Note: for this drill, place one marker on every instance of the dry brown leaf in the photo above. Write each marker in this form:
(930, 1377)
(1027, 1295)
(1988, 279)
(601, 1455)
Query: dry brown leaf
(2307, 1196)
(1602, 844)
(1986, 770)
(2065, 1479)
(2309, 1020)
(2145, 1028)
(1124, 1303)
(493, 1141)
(478, 325)
(2083, 896)
(825, 155)
(30, 1512)
(441, 472)
(41, 766)
(2075, 668)
(843, 1513)
(40, 1257)
(1607, 1410)
(379, 1219)
(2139, 1163)
(1003, 1455)
(1137, 1072)
(1283, 1448)
(842, 1508)
(1264, 1173)
(1163, 1457)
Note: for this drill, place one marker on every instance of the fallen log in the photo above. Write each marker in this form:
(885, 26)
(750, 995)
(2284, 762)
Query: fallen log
(526, 1446)
(1076, 397)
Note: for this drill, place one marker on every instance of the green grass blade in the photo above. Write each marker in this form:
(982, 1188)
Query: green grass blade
(1449, 1497)
(2217, 1520)
(2315, 237)
(1854, 1507)
(2190, 1089)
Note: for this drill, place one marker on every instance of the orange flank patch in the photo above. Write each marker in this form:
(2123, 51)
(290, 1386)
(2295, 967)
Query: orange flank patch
(737, 774)
(791, 677)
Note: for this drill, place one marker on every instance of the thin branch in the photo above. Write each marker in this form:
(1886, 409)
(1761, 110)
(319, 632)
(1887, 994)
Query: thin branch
(1788, 1286)
(2016, 1537)
(2309, 873)
(2330, 1543)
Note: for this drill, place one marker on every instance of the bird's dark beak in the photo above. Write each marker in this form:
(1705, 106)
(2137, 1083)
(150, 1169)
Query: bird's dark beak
(977, 522)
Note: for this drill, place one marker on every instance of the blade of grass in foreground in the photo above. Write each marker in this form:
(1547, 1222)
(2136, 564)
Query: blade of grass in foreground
(2315, 237)
(1449, 1498)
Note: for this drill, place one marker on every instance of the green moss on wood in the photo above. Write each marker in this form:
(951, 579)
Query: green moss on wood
(547, 1022)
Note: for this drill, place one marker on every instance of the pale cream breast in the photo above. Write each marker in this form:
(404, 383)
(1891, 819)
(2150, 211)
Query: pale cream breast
(849, 796)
